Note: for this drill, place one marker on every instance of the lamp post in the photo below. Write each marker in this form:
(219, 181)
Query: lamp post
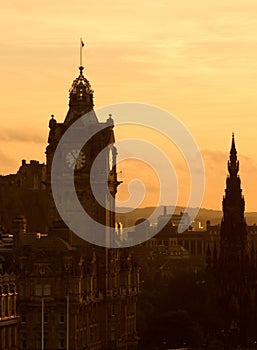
(68, 318)
(67, 268)
(42, 322)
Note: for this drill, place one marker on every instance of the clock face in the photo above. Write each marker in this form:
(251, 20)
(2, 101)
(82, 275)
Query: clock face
(75, 159)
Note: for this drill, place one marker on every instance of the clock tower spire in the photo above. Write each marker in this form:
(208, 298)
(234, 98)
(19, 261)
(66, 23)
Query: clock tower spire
(80, 98)
(81, 95)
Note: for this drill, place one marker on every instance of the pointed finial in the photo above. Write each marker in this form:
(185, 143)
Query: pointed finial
(233, 164)
(52, 122)
(81, 70)
(233, 146)
(110, 121)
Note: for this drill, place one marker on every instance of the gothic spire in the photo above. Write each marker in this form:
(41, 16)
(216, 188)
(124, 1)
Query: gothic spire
(233, 194)
(233, 223)
(233, 274)
(233, 163)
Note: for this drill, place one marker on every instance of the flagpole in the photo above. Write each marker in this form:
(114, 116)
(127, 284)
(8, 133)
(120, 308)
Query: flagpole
(81, 46)
(42, 325)
(80, 58)
(68, 319)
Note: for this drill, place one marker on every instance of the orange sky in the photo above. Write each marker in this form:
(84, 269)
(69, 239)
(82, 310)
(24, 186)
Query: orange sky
(195, 59)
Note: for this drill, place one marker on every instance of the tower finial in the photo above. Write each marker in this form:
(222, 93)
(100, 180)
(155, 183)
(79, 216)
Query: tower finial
(80, 52)
(233, 141)
(233, 146)
(233, 164)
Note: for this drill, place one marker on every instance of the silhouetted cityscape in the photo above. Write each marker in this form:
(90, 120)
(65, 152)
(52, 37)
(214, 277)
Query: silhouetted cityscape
(189, 290)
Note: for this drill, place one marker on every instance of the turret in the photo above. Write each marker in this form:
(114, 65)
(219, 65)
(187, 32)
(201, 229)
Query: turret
(80, 98)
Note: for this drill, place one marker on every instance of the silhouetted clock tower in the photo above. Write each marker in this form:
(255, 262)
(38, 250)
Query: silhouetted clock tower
(81, 160)
(73, 294)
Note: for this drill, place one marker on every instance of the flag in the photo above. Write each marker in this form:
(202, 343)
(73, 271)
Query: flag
(82, 42)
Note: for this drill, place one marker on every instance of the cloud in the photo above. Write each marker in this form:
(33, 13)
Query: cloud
(216, 173)
(216, 161)
(7, 163)
(21, 135)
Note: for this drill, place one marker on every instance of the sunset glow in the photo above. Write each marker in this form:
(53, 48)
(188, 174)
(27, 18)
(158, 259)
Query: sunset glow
(196, 60)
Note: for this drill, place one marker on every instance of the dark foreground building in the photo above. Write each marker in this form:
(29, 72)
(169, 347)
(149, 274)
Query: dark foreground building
(71, 294)
(74, 296)
(233, 266)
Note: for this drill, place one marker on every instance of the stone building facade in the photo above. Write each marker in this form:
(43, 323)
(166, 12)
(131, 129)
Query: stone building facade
(85, 296)
(8, 314)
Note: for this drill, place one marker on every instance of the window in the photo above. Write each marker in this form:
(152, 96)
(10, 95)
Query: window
(23, 317)
(113, 310)
(92, 334)
(42, 290)
(61, 318)
(7, 329)
(21, 290)
(47, 289)
(38, 290)
(12, 306)
(113, 332)
(61, 344)
(38, 343)
(5, 301)
(13, 337)
(46, 317)
(38, 316)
